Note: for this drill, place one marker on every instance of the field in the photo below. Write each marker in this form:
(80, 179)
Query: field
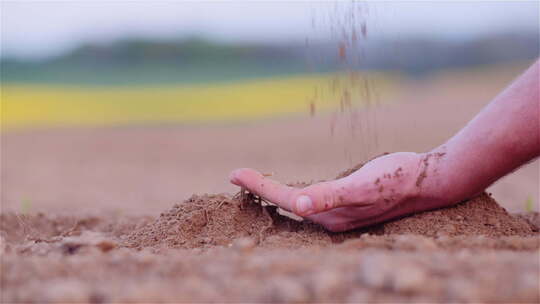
(136, 206)
(56, 105)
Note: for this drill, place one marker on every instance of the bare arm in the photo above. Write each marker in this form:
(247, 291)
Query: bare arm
(502, 137)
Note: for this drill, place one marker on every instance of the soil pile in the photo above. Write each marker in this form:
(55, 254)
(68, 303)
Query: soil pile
(211, 220)
(481, 215)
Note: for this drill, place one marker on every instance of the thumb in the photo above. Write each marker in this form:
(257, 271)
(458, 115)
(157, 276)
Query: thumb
(320, 197)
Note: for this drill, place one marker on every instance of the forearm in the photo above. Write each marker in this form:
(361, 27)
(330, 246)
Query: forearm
(504, 136)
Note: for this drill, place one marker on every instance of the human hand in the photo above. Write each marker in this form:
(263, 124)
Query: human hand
(384, 188)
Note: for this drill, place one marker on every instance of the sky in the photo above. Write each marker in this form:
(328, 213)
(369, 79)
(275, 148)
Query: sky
(32, 29)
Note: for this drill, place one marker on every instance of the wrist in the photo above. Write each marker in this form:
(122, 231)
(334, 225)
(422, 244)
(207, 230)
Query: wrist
(432, 183)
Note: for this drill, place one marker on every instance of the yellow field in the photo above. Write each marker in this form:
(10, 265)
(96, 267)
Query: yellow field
(47, 105)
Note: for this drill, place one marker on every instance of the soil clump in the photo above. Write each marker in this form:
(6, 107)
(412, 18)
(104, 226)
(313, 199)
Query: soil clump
(219, 220)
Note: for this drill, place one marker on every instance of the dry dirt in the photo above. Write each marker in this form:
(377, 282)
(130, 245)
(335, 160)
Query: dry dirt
(88, 215)
(220, 248)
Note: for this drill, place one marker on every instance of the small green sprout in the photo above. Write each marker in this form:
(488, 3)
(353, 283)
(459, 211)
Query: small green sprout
(529, 204)
(26, 206)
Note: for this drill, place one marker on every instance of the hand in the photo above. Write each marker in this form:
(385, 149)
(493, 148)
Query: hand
(384, 188)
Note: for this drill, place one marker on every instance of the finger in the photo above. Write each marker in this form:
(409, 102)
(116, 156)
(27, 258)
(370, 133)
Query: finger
(268, 189)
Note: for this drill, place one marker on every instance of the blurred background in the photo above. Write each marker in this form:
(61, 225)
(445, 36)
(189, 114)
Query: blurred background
(129, 107)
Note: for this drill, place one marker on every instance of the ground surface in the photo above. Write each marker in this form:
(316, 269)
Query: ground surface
(220, 248)
(107, 214)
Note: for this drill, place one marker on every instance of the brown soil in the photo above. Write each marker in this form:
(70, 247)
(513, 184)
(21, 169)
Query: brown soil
(478, 216)
(210, 220)
(219, 248)
(232, 248)
(84, 260)
(533, 218)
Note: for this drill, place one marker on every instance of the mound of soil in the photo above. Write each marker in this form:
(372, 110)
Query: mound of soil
(210, 220)
(481, 215)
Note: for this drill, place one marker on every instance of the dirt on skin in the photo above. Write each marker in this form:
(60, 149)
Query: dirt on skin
(228, 248)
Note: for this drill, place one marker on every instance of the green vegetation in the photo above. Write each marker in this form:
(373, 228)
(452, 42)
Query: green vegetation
(146, 62)
(193, 60)
(26, 206)
(529, 204)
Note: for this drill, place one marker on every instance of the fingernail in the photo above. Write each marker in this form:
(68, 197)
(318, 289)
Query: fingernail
(304, 204)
